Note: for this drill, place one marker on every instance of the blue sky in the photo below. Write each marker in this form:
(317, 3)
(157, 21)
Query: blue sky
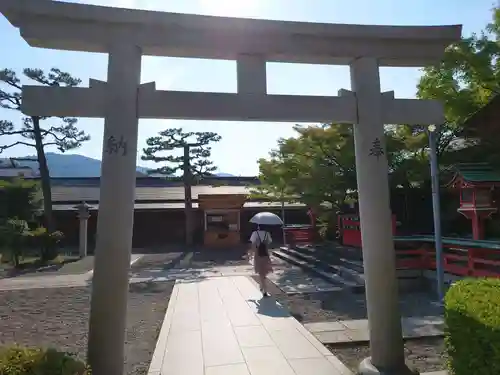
(243, 142)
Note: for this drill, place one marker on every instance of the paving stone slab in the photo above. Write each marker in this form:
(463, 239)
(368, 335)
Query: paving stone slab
(357, 330)
(333, 337)
(358, 324)
(204, 336)
(358, 335)
(325, 326)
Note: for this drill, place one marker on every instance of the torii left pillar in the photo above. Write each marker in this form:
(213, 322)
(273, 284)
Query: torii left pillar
(116, 212)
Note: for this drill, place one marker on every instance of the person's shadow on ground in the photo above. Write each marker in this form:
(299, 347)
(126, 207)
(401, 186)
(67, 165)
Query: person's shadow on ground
(268, 306)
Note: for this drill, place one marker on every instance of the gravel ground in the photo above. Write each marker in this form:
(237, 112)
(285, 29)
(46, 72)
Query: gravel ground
(423, 354)
(58, 317)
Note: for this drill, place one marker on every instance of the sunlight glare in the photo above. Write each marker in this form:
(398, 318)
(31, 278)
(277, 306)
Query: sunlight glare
(231, 8)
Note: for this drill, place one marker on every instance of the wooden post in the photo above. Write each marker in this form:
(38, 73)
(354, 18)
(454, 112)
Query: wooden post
(476, 231)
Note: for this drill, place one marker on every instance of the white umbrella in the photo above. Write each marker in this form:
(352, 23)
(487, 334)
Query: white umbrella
(266, 218)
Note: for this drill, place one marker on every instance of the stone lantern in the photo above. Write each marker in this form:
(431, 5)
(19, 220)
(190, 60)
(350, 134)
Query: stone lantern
(83, 214)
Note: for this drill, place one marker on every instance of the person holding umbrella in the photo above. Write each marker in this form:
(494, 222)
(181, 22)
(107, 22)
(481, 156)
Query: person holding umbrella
(260, 240)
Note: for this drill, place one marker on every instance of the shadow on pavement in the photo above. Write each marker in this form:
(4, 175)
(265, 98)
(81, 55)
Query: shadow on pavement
(268, 306)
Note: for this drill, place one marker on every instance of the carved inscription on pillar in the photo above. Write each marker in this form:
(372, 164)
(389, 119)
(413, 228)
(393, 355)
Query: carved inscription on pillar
(376, 149)
(116, 146)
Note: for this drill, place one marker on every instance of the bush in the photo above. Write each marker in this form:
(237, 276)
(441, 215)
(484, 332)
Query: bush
(14, 233)
(48, 243)
(472, 316)
(19, 198)
(34, 361)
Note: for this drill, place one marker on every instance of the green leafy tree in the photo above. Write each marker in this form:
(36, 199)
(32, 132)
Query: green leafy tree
(198, 163)
(14, 233)
(194, 161)
(318, 166)
(273, 188)
(45, 241)
(318, 154)
(20, 199)
(36, 131)
(19, 205)
(408, 162)
(465, 81)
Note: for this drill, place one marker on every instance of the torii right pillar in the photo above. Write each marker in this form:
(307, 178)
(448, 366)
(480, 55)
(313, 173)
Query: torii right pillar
(386, 342)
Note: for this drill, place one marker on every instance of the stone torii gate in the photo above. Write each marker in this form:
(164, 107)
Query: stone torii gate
(127, 35)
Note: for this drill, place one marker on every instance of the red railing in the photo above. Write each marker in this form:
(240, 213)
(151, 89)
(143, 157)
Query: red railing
(349, 228)
(299, 235)
(461, 261)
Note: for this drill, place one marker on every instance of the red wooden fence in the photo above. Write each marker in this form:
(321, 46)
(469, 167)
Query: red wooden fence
(457, 260)
(299, 234)
(350, 229)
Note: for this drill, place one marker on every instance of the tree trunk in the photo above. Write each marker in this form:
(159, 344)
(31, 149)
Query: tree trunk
(45, 181)
(188, 201)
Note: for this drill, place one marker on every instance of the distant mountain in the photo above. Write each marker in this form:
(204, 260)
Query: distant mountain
(74, 165)
(71, 165)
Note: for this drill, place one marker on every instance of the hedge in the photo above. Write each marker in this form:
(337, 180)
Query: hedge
(472, 336)
(17, 360)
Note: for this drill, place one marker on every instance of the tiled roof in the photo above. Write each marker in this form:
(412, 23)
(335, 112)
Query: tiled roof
(158, 181)
(180, 206)
(477, 172)
(174, 193)
(156, 193)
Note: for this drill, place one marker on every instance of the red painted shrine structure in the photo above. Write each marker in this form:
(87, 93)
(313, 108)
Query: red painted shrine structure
(476, 257)
(302, 234)
(476, 183)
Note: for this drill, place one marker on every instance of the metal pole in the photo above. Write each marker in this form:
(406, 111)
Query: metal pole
(283, 219)
(436, 213)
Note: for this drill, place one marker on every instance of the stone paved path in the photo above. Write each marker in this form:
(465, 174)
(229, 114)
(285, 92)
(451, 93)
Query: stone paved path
(357, 330)
(222, 326)
(290, 279)
(58, 281)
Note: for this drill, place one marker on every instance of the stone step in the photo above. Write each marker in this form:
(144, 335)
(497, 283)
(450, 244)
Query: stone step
(356, 265)
(347, 264)
(331, 276)
(352, 270)
(334, 267)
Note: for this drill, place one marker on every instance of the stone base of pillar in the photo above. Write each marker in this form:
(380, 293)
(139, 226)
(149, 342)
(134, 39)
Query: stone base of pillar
(366, 368)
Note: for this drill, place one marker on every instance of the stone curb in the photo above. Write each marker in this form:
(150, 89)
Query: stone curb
(132, 261)
(161, 343)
